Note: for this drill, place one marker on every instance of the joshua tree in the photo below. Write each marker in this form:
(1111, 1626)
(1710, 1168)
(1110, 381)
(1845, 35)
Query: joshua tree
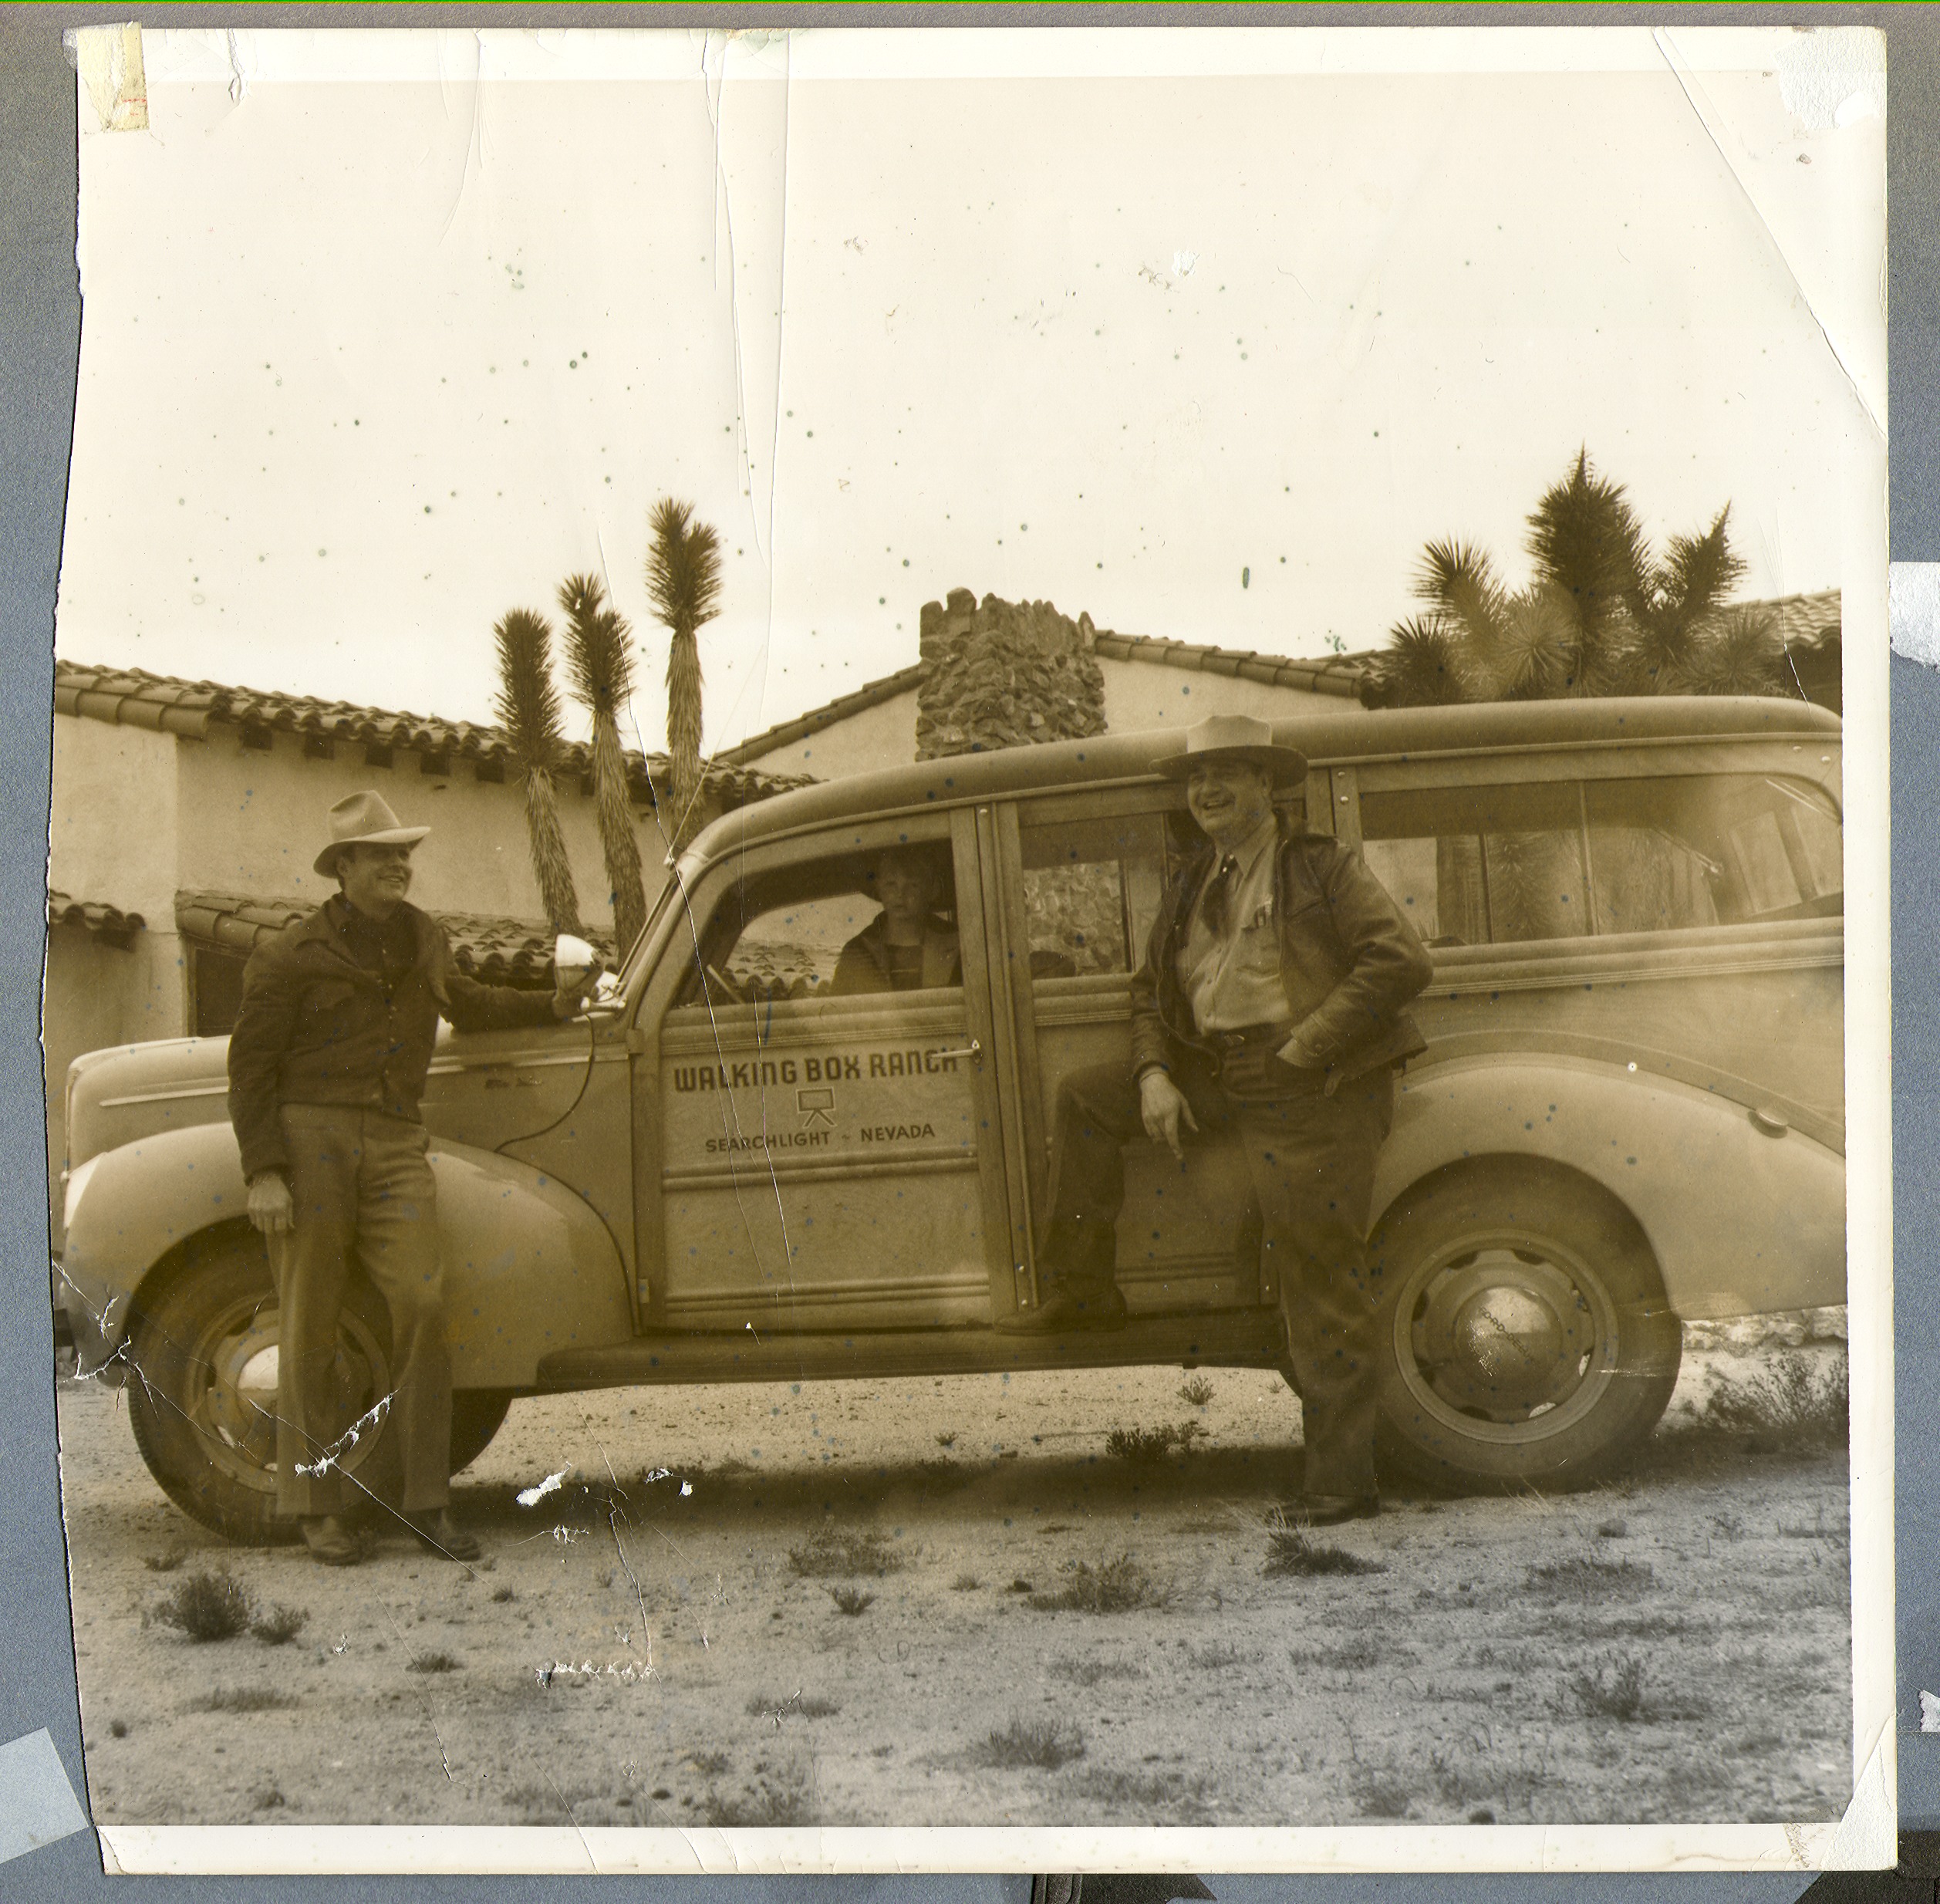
(527, 706)
(601, 670)
(683, 571)
(1601, 614)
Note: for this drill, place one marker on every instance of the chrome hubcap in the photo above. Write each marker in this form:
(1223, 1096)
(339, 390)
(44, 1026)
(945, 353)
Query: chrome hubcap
(1506, 1336)
(234, 1403)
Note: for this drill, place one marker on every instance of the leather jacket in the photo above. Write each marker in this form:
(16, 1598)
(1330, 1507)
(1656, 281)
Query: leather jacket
(1349, 962)
(864, 966)
(317, 1027)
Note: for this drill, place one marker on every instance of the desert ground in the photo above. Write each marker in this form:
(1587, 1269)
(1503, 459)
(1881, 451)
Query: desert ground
(995, 1600)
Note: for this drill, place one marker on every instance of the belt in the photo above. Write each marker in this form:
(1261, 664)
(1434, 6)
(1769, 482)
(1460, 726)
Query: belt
(1245, 1034)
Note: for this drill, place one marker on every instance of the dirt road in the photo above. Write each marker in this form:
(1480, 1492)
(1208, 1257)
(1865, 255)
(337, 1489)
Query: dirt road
(917, 1602)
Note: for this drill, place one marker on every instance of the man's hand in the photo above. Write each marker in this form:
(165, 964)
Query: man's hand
(571, 991)
(271, 1208)
(1163, 1104)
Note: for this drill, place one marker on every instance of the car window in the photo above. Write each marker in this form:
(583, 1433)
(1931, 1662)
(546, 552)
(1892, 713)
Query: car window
(1481, 865)
(853, 923)
(1091, 891)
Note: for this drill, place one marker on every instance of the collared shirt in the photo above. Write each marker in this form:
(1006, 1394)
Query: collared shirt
(387, 946)
(1232, 978)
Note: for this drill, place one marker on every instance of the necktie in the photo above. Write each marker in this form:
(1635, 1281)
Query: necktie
(1219, 896)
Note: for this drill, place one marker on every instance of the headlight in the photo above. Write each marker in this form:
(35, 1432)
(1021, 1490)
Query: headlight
(77, 1184)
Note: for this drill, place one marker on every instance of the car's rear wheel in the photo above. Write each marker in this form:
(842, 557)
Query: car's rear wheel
(202, 1352)
(1524, 1332)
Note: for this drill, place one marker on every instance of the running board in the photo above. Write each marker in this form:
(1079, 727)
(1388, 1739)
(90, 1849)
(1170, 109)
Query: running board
(1247, 1339)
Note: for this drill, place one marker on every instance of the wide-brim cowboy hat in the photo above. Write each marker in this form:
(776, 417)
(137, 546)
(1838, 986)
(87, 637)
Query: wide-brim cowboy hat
(363, 819)
(1235, 737)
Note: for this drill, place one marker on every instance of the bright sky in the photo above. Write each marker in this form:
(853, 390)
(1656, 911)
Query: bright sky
(385, 334)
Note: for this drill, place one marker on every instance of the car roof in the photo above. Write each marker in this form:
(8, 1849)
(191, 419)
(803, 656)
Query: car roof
(1329, 738)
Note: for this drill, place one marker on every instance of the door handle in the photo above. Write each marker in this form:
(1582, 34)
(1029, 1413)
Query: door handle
(973, 1049)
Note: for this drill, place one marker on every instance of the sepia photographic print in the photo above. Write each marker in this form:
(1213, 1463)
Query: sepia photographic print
(947, 951)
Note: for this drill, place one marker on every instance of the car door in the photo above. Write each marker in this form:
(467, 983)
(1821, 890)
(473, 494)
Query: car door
(829, 1153)
(1081, 876)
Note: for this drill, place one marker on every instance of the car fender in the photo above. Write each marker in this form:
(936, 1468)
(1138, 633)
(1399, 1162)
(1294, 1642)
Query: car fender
(528, 1268)
(1742, 1221)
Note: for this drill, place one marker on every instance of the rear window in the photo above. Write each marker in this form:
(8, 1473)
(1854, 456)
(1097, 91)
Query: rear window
(1504, 865)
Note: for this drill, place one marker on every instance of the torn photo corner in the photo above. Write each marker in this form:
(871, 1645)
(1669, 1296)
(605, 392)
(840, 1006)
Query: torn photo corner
(1221, 1206)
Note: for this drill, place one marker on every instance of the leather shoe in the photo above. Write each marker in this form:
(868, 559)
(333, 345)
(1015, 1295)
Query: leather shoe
(442, 1532)
(330, 1540)
(1328, 1510)
(1094, 1306)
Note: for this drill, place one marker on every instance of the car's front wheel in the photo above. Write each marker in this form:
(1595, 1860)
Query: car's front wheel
(1524, 1332)
(202, 1353)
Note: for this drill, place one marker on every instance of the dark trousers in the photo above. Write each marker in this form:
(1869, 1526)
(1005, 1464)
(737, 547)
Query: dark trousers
(1312, 1160)
(364, 1195)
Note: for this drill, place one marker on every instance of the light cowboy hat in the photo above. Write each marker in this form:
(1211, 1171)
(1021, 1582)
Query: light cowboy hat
(1235, 737)
(362, 819)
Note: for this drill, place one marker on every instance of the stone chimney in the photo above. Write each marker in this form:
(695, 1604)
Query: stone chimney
(1001, 674)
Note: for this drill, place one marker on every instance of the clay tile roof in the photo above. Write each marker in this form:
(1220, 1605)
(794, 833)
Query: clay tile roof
(493, 951)
(106, 923)
(1340, 674)
(1806, 621)
(133, 697)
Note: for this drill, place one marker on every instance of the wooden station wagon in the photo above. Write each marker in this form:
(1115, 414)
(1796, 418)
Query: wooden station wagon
(1630, 1114)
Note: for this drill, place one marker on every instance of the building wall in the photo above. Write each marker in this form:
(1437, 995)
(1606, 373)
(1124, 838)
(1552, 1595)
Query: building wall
(260, 817)
(112, 828)
(1149, 694)
(1137, 694)
(883, 736)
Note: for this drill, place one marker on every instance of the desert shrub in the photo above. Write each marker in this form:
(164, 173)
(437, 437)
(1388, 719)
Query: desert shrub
(775, 1795)
(1160, 1796)
(1043, 1743)
(1089, 1672)
(207, 1606)
(279, 1625)
(851, 1600)
(833, 1551)
(1592, 1579)
(946, 1441)
(1196, 1391)
(1357, 1654)
(797, 1705)
(965, 1583)
(1615, 1690)
(244, 1699)
(434, 1662)
(268, 1797)
(1144, 1447)
(1381, 1792)
(1795, 1403)
(1292, 1550)
(1113, 1586)
(166, 1561)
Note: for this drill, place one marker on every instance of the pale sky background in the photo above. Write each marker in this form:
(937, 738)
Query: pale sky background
(383, 334)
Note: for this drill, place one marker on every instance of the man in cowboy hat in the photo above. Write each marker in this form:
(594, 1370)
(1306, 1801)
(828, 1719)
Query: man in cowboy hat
(326, 1064)
(1268, 1011)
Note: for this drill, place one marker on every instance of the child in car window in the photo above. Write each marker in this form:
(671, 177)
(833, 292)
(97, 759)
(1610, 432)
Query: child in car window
(910, 946)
